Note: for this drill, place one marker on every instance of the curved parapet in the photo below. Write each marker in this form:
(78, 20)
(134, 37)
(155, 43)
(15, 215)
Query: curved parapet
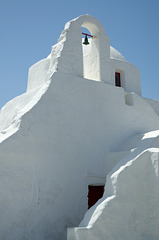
(39, 74)
(129, 208)
(129, 74)
(67, 54)
(100, 63)
(56, 138)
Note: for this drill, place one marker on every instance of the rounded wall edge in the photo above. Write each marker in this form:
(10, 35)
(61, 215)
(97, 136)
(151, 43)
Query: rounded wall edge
(130, 77)
(73, 35)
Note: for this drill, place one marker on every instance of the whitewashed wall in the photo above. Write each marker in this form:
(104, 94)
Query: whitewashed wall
(65, 137)
(58, 134)
(129, 208)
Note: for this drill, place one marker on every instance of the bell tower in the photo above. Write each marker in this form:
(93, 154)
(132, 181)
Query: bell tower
(96, 64)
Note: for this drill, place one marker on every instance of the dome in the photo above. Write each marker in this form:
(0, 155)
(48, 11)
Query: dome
(114, 54)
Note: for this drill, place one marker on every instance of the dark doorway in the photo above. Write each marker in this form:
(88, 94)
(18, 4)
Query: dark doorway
(94, 194)
(117, 79)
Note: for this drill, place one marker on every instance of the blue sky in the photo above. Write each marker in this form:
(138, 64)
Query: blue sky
(29, 29)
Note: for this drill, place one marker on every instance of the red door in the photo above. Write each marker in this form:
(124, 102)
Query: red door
(94, 194)
(117, 79)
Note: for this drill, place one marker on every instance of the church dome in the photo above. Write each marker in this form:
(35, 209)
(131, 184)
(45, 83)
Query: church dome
(114, 54)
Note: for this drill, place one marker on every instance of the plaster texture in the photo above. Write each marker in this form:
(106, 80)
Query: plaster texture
(66, 132)
(129, 207)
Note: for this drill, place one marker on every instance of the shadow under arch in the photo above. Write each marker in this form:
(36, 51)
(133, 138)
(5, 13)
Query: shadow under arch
(96, 61)
(91, 62)
(67, 55)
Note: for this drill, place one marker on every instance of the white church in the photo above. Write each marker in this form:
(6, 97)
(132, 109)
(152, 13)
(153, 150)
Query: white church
(79, 152)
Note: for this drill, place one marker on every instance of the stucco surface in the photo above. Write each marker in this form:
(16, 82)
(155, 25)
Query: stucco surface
(129, 207)
(60, 132)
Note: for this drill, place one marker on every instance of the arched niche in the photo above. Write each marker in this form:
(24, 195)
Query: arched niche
(71, 57)
(91, 62)
(96, 64)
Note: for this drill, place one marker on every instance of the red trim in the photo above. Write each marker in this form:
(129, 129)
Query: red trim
(87, 34)
(119, 83)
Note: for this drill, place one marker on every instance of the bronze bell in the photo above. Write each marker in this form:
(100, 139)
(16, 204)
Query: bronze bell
(86, 40)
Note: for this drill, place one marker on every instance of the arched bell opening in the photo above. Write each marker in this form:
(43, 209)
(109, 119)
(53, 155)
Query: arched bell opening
(90, 48)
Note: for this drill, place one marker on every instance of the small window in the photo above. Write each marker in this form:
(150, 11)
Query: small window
(117, 79)
(94, 194)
